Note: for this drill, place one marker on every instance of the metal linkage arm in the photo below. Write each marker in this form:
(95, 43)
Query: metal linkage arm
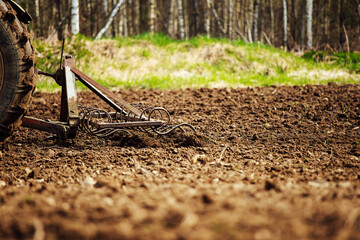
(105, 94)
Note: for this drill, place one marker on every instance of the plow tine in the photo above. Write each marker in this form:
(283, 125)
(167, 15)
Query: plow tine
(98, 122)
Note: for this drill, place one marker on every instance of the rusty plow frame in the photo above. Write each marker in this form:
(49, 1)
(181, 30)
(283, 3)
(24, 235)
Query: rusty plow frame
(101, 123)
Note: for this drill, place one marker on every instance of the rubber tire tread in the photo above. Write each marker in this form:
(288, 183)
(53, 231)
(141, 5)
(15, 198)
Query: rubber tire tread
(20, 77)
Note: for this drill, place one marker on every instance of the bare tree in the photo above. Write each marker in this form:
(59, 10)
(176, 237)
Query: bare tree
(303, 18)
(226, 16)
(125, 20)
(309, 10)
(249, 20)
(231, 19)
(186, 20)
(342, 38)
(170, 20)
(152, 16)
(59, 29)
(111, 18)
(75, 17)
(293, 20)
(285, 23)
(130, 18)
(196, 16)
(106, 11)
(181, 19)
(37, 14)
(256, 20)
(208, 18)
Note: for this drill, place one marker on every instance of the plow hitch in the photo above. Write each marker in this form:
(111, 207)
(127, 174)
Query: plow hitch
(101, 123)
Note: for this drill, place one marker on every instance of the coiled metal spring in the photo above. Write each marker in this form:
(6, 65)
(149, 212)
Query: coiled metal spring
(91, 117)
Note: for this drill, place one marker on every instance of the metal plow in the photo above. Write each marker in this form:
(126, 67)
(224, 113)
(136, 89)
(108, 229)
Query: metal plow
(101, 123)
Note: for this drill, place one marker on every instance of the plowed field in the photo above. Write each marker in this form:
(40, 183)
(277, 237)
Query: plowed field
(265, 163)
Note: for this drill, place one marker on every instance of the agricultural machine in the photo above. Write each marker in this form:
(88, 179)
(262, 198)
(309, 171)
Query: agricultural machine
(18, 74)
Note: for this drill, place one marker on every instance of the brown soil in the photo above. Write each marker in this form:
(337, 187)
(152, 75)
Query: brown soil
(265, 163)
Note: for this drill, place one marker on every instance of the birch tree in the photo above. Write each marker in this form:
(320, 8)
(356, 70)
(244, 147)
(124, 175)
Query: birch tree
(226, 15)
(250, 20)
(37, 13)
(75, 17)
(170, 20)
(106, 10)
(186, 20)
(129, 18)
(231, 21)
(285, 23)
(152, 16)
(256, 20)
(208, 18)
(181, 19)
(125, 20)
(309, 10)
(110, 20)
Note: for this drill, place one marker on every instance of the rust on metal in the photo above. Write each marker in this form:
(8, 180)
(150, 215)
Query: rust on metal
(100, 122)
(87, 80)
(41, 125)
(127, 124)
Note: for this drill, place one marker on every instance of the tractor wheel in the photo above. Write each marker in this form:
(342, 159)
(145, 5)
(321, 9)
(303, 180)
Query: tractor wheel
(17, 70)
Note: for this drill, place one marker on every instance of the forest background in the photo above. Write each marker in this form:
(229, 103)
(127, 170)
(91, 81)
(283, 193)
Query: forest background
(330, 25)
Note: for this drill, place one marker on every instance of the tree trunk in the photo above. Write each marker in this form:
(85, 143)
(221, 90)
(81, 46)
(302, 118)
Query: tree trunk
(237, 26)
(106, 11)
(113, 33)
(244, 16)
(59, 30)
(285, 23)
(130, 18)
(256, 20)
(196, 17)
(333, 33)
(272, 21)
(37, 16)
(111, 18)
(186, 20)
(208, 18)
(181, 19)
(126, 34)
(309, 10)
(121, 25)
(260, 21)
(92, 24)
(231, 19)
(75, 17)
(342, 38)
(226, 16)
(250, 16)
(218, 20)
(170, 19)
(293, 21)
(303, 18)
(152, 16)
(137, 17)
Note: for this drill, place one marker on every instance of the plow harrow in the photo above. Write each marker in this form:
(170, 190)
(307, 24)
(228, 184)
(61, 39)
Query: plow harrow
(98, 122)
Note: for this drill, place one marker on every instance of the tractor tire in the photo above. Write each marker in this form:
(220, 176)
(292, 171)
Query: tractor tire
(17, 70)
